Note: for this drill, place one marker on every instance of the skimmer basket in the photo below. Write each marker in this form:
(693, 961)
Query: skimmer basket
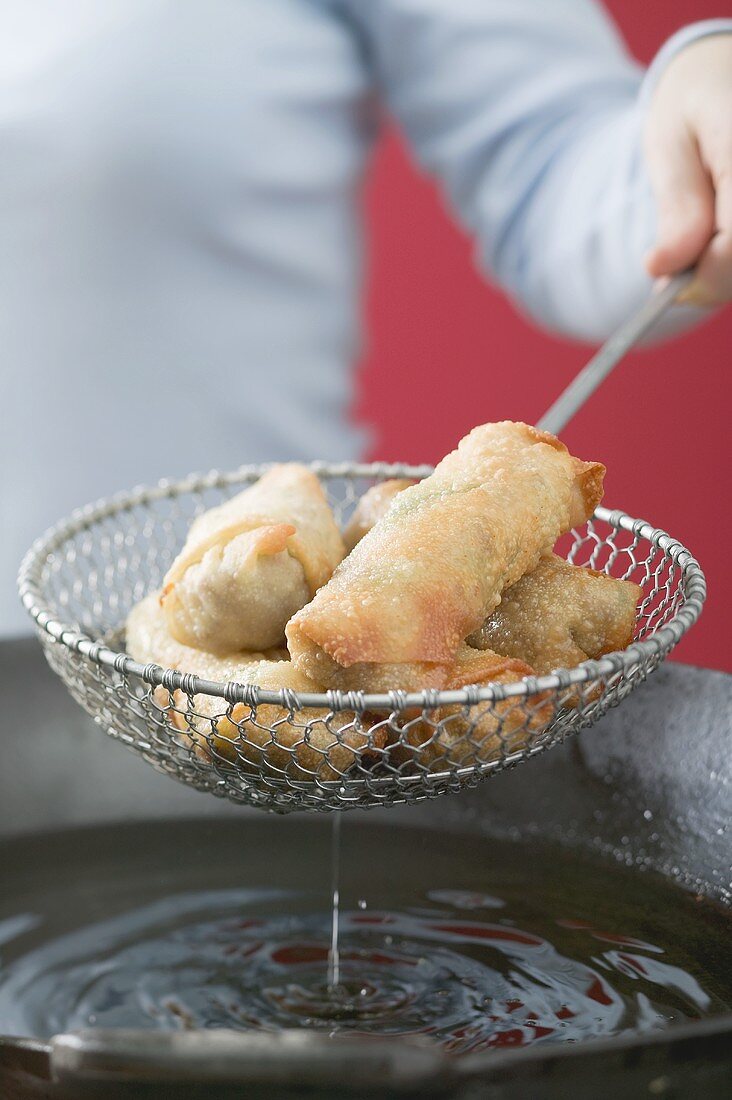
(80, 580)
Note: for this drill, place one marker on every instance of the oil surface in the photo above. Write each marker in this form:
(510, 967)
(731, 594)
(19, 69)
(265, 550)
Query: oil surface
(477, 943)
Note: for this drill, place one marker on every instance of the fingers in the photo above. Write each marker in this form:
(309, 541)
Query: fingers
(685, 200)
(713, 283)
(688, 145)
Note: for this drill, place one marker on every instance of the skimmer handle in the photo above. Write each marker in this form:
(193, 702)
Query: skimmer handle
(610, 354)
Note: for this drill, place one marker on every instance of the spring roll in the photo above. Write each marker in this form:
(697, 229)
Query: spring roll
(251, 563)
(554, 617)
(559, 615)
(311, 744)
(434, 567)
(148, 640)
(271, 740)
(374, 504)
(458, 736)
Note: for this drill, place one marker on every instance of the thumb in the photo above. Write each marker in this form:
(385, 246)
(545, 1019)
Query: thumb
(684, 202)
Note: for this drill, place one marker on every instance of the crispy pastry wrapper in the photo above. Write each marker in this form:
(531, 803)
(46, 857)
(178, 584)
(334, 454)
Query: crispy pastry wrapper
(556, 616)
(465, 736)
(434, 567)
(269, 740)
(374, 504)
(560, 615)
(149, 641)
(250, 563)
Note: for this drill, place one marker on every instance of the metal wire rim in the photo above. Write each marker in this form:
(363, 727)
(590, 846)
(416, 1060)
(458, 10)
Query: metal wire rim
(660, 642)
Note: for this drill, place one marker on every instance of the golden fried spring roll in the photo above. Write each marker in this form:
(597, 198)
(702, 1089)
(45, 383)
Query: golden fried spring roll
(554, 617)
(371, 676)
(434, 567)
(148, 640)
(374, 504)
(250, 563)
(304, 745)
(559, 615)
(459, 736)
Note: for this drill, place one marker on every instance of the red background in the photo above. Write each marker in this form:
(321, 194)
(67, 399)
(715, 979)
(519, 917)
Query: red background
(447, 352)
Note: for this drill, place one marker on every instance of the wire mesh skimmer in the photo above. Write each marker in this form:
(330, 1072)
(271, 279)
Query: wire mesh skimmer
(286, 751)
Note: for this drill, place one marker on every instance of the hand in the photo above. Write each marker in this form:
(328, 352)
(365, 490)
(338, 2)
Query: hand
(688, 144)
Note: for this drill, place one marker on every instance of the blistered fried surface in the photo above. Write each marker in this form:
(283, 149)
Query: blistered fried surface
(248, 565)
(304, 745)
(462, 736)
(435, 565)
(559, 615)
(149, 641)
(372, 506)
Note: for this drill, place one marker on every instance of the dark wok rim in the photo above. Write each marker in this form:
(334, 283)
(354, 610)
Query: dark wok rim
(391, 1062)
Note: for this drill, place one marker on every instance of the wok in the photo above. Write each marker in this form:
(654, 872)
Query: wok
(665, 751)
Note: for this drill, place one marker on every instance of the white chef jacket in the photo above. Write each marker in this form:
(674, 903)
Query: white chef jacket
(180, 253)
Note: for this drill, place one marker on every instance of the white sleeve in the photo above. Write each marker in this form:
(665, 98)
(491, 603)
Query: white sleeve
(531, 115)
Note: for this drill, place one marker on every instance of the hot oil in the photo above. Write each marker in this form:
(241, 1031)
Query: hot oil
(474, 942)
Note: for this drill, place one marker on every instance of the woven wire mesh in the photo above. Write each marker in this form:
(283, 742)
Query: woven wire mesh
(286, 751)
